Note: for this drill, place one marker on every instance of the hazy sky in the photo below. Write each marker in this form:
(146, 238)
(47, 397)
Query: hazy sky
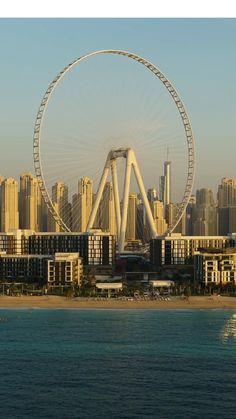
(198, 56)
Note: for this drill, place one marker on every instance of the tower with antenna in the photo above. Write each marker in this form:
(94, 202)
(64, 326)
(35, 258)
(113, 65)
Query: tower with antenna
(167, 180)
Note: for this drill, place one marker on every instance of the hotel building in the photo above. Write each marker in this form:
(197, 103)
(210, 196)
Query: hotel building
(61, 269)
(96, 248)
(215, 267)
(179, 250)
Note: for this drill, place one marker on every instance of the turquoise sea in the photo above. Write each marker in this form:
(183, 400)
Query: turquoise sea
(117, 364)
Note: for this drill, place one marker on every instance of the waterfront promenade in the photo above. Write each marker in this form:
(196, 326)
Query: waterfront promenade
(201, 302)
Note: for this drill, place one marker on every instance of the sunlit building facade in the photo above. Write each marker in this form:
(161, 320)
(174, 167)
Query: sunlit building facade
(211, 267)
(179, 250)
(9, 203)
(132, 217)
(30, 203)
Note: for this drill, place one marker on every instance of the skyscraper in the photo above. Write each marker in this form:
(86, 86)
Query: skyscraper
(227, 206)
(190, 214)
(167, 188)
(107, 210)
(1, 180)
(9, 199)
(141, 227)
(82, 204)
(165, 184)
(75, 212)
(30, 203)
(151, 194)
(158, 215)
(205, 217)
(132, 217)
(61, 205)
(171, 212)
(227, 193)
(161, 188)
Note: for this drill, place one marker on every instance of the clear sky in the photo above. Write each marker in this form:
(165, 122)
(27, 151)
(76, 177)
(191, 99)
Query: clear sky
(197, 55)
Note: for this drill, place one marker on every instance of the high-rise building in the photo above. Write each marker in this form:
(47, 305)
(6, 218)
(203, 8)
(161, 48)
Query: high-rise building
(60, 196)
(44, 216)
(52, 225)
(85, 201)
(30, 203)
(227, 206)
(132, 217)
(171, 212)
(61, 205)
(190, 215)
(9, 199)
(158, 215)
(82, 205)
(227, 220)
(165, 185)
(161, 188)
(152, 194)
(227, 193)
(1, 180)
(107, 210)
(205, 217)
(167, 176)
(141, 226)
(75, 212)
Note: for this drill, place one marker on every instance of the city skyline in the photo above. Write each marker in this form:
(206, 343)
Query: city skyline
(196, 82)
(21, 206)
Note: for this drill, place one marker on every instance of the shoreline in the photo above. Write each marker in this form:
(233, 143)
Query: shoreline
(56, 302)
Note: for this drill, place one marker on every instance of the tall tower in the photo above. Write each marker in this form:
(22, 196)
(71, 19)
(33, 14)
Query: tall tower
(167, 184)
(151, 194)
(132, 217)
(30, 203)
(141, 226)
(107, 209)
(227, 206)
(190, 215)
(75, 212)
(205, 219)
(227, 193)
(161, 188)
(1, 180)
(171, 212)
(85, 202)
(9, 199)
(61, 205)
(158, 215)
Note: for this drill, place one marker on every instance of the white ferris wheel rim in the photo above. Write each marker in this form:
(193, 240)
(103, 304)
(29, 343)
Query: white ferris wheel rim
(180, 107)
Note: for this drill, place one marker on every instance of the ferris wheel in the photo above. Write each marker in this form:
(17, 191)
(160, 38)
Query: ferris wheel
(56, 158)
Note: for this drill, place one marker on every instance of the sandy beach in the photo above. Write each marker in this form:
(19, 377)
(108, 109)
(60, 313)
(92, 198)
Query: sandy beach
(202, 302)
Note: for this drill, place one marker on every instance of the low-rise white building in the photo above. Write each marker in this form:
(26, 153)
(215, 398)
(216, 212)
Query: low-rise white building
(64, 269)
(215, 267)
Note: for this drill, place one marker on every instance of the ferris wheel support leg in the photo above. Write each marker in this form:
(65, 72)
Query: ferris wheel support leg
(125, 202)
(98, 196)
(144, 197)
(116, 196)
